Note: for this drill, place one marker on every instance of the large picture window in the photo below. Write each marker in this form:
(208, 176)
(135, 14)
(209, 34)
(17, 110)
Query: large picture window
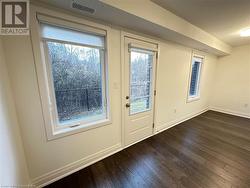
(75, 66)
(194, 85)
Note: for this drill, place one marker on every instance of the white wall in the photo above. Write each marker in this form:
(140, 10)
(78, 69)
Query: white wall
(45, 156)
(50, 159)
(13, 169)
(232, 82)
(172, 85)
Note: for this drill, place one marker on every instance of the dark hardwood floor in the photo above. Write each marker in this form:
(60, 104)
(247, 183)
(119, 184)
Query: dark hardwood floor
(210, 150)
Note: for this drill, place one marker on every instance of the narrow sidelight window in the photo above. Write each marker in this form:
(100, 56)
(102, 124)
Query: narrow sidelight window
(75, 66)
(194, 85)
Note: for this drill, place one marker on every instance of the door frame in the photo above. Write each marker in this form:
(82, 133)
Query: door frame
(123, 101)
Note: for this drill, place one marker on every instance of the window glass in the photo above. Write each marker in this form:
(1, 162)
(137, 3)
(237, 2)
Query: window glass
(140, 81)
(195, 78)
(78, 81)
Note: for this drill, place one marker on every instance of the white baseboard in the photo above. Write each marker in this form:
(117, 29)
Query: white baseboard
(171, 124)
(82, 163)
(231, 112)
(64, 171)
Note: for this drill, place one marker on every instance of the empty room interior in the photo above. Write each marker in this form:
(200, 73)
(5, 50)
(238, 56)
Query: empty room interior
(125, 93)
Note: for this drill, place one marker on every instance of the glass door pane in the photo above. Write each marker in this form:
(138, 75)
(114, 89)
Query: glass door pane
(140, 80)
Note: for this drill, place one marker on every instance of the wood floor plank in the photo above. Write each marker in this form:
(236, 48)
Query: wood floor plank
(225, 127)
(192, 158)
(218, 159)
(209, 162)
(210, 150)
(218, 146)
(218, 130)
(235, 148)
(229, 119)
(188, 165)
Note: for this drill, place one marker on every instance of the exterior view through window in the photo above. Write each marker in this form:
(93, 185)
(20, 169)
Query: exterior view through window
(140, 80)
(195, 78)
(77, 75)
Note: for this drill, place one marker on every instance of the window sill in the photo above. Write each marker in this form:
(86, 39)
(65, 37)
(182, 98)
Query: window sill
(192, 99)
(67, 131)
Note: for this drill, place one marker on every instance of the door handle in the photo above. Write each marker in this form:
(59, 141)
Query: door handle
(127, 105)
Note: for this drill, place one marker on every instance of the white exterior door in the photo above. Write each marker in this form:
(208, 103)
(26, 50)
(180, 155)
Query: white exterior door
(140, 64)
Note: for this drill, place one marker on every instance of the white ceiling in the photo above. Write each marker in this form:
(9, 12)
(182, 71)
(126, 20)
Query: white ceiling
(222, 18)
(117, 17)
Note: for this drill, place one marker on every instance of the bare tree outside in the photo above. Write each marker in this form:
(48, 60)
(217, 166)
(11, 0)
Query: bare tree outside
(140, 81)
(77, 79)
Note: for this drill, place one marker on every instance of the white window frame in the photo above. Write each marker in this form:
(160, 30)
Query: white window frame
(44, 78)
(200, 59)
